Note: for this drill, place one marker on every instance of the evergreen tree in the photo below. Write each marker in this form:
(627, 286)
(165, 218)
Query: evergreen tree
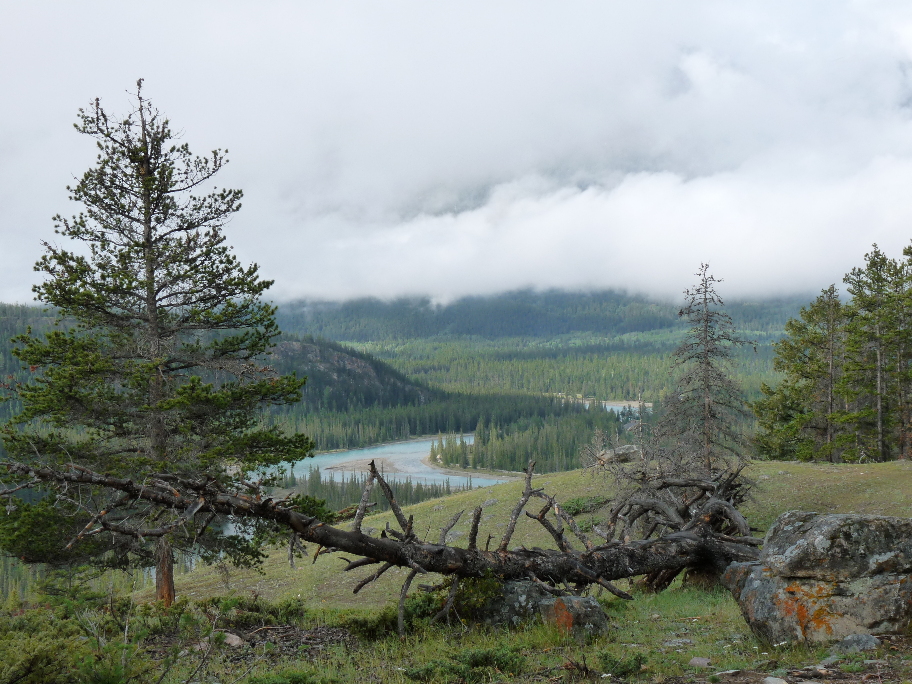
(875, 379)
(155, 369)
(702, 415)
(804, 417)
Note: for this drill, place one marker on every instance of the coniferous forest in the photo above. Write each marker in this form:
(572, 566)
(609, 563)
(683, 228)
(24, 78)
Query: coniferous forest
(846, 362)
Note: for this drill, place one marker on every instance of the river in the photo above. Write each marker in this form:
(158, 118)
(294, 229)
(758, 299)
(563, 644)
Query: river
(398, 461)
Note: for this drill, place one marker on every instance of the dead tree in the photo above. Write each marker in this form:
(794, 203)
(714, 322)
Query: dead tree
(180, 504)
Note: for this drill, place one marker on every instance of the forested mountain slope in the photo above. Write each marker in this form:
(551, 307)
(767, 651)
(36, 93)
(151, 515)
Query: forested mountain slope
(338, 378)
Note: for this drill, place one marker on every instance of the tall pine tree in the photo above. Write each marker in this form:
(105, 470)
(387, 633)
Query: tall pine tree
(156, 369)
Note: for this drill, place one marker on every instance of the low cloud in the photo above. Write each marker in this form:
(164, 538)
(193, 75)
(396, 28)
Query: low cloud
(416, 148)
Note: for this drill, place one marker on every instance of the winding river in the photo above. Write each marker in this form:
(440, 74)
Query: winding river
(398, 461)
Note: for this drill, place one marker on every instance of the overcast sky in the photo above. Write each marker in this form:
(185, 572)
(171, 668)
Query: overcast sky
(402, 148)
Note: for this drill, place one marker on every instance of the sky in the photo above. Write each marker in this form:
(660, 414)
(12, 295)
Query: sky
(455, 148)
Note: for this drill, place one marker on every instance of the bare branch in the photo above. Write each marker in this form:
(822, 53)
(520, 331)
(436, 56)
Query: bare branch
(520, 505)
(473, 531)
(445, 530)
(402, 595)
(362, 507)
(388, 493)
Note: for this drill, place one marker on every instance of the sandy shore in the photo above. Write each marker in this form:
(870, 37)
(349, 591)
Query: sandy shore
(387, 466)
(362, 465)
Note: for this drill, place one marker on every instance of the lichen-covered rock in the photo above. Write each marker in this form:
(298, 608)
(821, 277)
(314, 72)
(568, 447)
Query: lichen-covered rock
(519, 602)
(824, 577)
(523, 601)
(838, 546)
(802, 609)
(576, 614)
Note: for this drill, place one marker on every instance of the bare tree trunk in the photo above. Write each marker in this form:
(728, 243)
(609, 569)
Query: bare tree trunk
(164, 571)
(880, 435)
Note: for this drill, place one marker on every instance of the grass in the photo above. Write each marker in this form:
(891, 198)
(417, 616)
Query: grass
(652, 638)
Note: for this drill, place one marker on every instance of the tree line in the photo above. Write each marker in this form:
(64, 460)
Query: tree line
(455, 413)
(524, 313)
(346, 491)
(554, 442)
(847, 366)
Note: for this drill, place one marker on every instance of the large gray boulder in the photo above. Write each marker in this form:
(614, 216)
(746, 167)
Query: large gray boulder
(839, 546)
(522, 601)
(824, 577)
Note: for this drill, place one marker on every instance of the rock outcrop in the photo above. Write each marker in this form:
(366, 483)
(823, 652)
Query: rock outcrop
(824, 577)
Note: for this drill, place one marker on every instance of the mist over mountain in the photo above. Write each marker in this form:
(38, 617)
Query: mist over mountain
(522, 313)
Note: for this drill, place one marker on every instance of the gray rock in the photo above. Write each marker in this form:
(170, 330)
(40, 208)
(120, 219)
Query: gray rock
(677, 643)
(577, 614)
(489, 502)
(522, 601)
(518, 603)
(774, 680)
(453, 535)
(790, 609)
(855, 643)
(824, 577)
(829, 661)
(699, 662)
(839, 546)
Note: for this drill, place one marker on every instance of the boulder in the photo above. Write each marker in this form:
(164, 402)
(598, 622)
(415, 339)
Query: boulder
(825, 577)
(518, 603)
(855, 643)
(838, 547)
(576, 614)
(521, 601)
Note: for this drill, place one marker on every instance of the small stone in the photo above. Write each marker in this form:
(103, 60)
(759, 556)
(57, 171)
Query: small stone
(233, 640)
(728, 673)
(489, 502)
(855, 643)
(655, 616)
(677, 643)
(700, 662)
(875, 662)
(437, 508)
(773, 680)
(828, 661)
(453, 535)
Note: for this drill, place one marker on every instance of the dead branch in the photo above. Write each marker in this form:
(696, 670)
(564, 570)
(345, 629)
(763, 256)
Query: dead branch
(520, 505)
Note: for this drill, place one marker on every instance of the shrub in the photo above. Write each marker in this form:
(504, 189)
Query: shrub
(621, 667)
(471, 665)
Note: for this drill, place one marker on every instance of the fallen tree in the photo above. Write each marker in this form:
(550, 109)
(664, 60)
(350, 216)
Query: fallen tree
(172, 504)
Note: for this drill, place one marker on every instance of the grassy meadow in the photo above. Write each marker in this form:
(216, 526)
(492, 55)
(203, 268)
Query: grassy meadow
(652, 638)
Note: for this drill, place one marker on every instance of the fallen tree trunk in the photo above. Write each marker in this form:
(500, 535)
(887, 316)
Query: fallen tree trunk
(698, 547)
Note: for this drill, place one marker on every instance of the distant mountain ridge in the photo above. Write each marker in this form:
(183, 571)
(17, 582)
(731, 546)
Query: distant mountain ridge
(338, 378)
(524, 313)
